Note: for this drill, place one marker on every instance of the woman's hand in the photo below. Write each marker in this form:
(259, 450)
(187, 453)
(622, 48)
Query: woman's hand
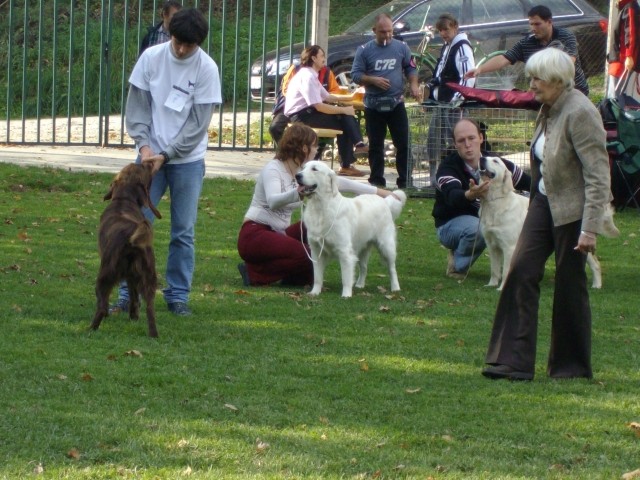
(586, 243)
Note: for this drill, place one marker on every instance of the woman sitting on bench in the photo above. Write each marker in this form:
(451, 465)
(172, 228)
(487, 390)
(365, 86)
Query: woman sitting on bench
(305, 103)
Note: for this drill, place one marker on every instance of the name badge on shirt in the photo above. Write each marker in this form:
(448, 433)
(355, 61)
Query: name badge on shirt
(177, 99)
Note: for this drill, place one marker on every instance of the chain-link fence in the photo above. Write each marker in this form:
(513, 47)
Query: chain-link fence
(506, 131)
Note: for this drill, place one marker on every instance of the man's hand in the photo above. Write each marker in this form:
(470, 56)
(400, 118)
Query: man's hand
(473, 73)
(146, 152)
(476, 191)
(156, 160)
(380, 82)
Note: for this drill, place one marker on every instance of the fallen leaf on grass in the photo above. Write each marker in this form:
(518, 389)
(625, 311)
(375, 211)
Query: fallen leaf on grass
(398, 467)
(140, 411)
(631, 475)
(242, 292)
(364, 367)
(231, 407)
(187, 471)
(384, 308)
(73, 454)
(635, 426)
(412, 390)
(87, 377)
(261, 447)
(61, 377)
(38, 469)
(133, 353)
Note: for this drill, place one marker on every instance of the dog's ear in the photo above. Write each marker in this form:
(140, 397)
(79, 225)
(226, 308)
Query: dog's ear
(507, 181)
(149, 203)
(146, 200)
(333, 182)
(109, 194)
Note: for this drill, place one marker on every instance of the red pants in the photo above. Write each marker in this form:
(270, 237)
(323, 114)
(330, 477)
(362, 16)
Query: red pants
(271, 256)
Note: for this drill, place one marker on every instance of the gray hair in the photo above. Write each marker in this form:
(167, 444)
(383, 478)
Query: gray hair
(553, 66)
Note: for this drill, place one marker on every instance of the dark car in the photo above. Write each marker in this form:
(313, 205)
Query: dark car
(491, 25)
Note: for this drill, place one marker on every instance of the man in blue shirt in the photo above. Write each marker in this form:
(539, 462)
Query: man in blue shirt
(380, 65)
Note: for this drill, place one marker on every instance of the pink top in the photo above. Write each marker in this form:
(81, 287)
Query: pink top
(304, 90)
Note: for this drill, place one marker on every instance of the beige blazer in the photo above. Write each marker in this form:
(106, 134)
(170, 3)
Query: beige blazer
(576, 164)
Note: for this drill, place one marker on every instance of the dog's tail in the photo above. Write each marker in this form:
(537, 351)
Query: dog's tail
(396, 202)
(142, 236)
(609, 228)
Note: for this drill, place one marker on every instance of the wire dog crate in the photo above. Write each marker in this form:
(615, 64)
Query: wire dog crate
(430, 129)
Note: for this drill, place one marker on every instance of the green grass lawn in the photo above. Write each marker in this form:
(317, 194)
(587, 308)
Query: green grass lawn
(268, 383)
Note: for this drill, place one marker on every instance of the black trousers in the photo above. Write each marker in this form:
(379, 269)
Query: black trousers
(515, 326)
(350, 130)
(398, 124)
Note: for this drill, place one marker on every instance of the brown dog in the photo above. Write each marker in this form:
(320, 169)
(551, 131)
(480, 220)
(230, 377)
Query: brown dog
(126, 245)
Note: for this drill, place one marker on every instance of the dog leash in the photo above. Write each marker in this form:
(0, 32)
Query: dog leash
(323, 235)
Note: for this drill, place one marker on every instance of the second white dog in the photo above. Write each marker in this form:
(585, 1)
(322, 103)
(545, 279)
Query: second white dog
(502, 214)
(347, 228)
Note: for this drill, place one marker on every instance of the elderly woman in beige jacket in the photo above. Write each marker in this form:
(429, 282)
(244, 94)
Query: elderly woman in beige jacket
(569, 192)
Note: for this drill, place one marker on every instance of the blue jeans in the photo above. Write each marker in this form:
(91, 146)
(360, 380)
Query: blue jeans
(459, 235)
(185, 184)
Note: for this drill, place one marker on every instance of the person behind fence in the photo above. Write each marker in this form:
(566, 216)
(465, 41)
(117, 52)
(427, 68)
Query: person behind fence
(542, 34)
(456, 59)
(306, 102)
(273, 249)
(174, 88)
(570, 191)
(159, 33)
(458, 193)
(380, 66)
(279, 120)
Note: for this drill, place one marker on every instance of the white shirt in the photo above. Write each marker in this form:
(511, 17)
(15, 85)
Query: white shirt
(175, 85)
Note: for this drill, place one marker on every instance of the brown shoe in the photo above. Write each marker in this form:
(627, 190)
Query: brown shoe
(451, 267)
(350, 171)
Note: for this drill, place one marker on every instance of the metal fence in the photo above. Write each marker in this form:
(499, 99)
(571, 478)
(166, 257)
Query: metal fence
(64, 64)
(507, 131)
(67, 64)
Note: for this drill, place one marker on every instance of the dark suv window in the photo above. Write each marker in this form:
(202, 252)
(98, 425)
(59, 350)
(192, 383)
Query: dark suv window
(428, 13)
(493, 11)
(562, 8)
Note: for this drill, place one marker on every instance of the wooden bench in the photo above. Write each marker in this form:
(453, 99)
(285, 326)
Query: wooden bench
(328, 136)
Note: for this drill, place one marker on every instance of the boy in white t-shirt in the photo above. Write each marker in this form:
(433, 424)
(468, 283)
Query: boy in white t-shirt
(174, 88)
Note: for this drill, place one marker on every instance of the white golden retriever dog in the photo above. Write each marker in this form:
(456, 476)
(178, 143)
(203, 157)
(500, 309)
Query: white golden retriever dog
(502, 214)
(347, 228)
